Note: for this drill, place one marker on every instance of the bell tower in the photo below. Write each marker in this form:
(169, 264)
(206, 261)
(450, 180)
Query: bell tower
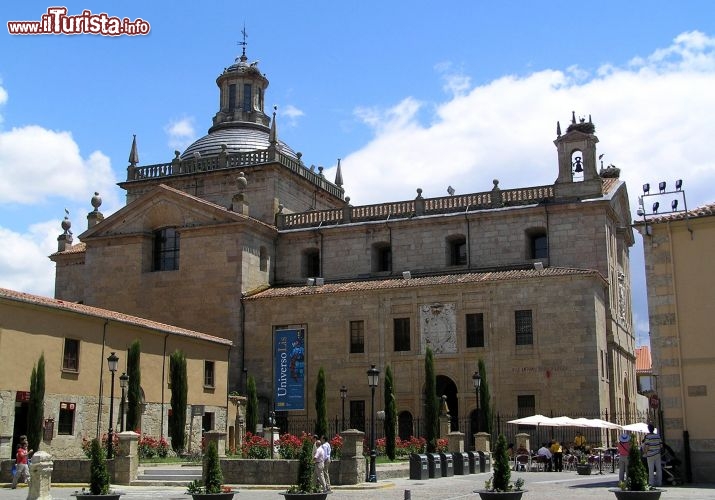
(578, 176)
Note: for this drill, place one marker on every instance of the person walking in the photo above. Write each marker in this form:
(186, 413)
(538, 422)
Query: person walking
(326, 463)
(624, 446)
(319, 459)
(652, 446)
(22, 468)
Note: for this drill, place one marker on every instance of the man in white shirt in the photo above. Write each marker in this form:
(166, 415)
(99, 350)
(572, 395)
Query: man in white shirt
(319, 459)
(326, 463)
(545, 452)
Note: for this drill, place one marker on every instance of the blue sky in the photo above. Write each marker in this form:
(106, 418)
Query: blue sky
(407, 94)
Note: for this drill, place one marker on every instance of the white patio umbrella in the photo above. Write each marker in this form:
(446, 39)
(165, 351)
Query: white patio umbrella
(604, 424)
(534, 420)
(637, 427)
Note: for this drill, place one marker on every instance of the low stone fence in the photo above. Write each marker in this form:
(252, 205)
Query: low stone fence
(72, 470)
(266, 471)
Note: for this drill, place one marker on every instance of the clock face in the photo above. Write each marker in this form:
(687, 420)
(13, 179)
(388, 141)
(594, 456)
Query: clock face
(438, 327)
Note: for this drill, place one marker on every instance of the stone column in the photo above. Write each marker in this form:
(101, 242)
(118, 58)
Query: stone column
(352, 467)
(41, 474)
(219, 438)
(482, 442)
(456, 442)
(126, 458)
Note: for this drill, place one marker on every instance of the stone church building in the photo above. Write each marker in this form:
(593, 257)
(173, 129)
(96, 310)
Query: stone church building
(237, 238)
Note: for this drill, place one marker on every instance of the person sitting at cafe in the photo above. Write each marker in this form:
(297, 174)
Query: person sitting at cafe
(545, 452)
(557, 455)
(579, 442)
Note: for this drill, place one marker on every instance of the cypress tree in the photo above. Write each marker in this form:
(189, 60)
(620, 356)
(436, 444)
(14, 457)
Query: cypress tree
(35, 411)
(179, 392)
(252, 407)
(99, 476)
(213, 476)
(502, 467)
(390, 414)
(134, 395)
(431, 404)
(485, 407)
(321, 406)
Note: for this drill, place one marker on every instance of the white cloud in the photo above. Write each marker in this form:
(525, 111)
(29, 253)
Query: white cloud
(653, 119)
(23, 259)
(53, 161)
(180, 133)
(292, 113)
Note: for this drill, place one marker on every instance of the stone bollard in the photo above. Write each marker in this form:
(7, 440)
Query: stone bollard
(352, 465)
(219, 438)
(126, 458)
(270, 434)
(455, 442)
(482, 442)
(40, 476)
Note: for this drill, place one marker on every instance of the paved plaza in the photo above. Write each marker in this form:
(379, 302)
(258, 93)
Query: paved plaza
(539, 486)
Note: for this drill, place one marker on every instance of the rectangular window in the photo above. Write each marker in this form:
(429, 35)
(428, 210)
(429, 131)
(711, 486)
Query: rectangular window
(539, 247)
(65, 422)
(402, 334)
(526, 405)
(166, 249)
(208, 373)
(458, 252)
(70, 357)
(247, 97)
(232, 97)
(475, 330)
(357, 337)
(524, 327)
(357, 415)
(207, 421)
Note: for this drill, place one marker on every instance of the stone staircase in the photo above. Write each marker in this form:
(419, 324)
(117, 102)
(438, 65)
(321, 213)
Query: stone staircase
(167, 475)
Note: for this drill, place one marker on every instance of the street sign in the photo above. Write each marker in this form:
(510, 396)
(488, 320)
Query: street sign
(654, 402)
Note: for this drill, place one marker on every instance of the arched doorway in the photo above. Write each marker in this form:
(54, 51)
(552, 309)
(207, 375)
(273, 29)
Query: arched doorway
(447, 387)
(404, 425)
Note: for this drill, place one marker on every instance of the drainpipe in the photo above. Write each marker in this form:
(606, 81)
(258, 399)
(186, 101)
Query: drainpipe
(389, 237)
(469, 246)
(101, 378)
(243, 344)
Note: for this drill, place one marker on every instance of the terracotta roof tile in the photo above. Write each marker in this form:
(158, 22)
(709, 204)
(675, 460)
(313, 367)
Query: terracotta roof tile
(76, 248)
(397, 282)
(644, 364)
(97, 312)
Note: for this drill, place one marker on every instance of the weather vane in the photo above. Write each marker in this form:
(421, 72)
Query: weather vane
(245, 35)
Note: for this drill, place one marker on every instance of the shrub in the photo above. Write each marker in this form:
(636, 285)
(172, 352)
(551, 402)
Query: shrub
(150, 447)
(213, 477)
(87, 445)
(306, 477)
(255, 447)
(636, 474)
(289, 446)
(99, 477)
(336, 447)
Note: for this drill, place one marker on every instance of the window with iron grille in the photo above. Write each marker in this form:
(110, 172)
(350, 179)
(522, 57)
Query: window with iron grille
(166, 249)
(402, 334)
(524, 327)
(475, 330)
(357, 337)
(65, 421)
(526, 405)
(70, 357)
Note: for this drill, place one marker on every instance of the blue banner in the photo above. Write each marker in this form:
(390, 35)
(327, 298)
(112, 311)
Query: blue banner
(289, 374)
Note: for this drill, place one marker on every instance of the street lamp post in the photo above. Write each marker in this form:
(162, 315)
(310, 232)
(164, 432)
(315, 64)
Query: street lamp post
(123, 382)
(373, 378)
(343, 397)
(477, 381)
(112, 362)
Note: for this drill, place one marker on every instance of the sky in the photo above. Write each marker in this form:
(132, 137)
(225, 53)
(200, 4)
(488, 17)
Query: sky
(408, 95)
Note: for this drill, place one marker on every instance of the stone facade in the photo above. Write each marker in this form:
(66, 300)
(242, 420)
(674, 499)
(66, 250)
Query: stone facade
(78, 382)
(266, 242)
(679, 276)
